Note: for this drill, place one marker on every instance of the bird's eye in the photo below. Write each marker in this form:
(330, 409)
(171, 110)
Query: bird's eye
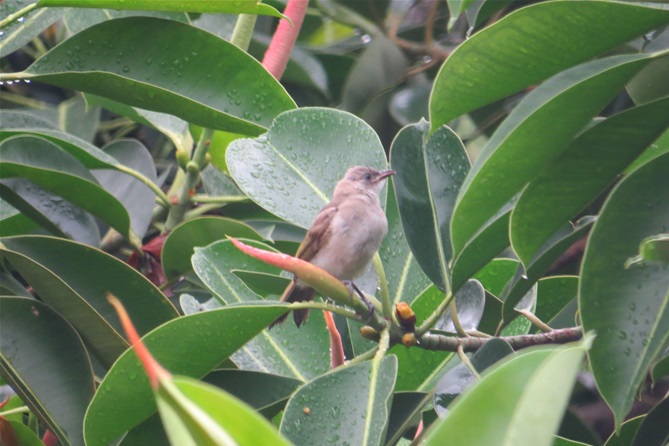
(368, 176)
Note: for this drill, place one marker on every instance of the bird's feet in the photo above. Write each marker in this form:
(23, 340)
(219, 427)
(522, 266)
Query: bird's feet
(354, 288)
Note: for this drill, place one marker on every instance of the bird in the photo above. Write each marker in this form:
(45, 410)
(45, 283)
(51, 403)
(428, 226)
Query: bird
(344, 236)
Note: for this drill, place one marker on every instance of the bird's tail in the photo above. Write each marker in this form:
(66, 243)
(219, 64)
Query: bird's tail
(296, 292)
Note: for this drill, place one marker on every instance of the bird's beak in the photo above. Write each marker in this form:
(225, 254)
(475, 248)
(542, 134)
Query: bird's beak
(385, 174)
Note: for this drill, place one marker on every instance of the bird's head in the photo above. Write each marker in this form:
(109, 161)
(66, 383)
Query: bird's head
(366, 179)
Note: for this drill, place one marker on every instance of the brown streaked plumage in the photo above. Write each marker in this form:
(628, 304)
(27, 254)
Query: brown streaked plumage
(345, 235)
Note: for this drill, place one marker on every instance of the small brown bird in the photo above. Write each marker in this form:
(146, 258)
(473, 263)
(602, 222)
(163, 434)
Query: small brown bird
(345, 235)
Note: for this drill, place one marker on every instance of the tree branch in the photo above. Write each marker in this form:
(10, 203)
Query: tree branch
(470, 344)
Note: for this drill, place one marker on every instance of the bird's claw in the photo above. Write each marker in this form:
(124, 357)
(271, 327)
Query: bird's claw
(370, 306)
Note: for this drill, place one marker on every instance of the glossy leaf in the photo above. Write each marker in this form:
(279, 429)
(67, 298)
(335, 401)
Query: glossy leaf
(349, 404)
(460, 377)
(536, 132)
(469, 301)
(405, 413)
(282, 350)
(40, 208)
(292, 170)
(57, 354)
(22, 31)
(489, 241)
(76, 117)
(78, 19)
(626, 307)
(626, 433)
(24, 435)
(653, 431)
(217, 6)
(171, 78)
(428, 179)
(406, 279)
(542, 260)
(87, 154)
(419, 368)
(520, 402)
(55, 170)
(499, 61)
(259, 390)
(211, 336)
(74, 280)
(553, 295)
(586, 168)
(135, 196)
(200, 414)
(180, 243)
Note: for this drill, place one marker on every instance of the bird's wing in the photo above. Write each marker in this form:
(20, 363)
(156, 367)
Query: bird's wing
(319, 233)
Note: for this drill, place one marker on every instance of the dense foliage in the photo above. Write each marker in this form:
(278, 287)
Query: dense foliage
(530, 206)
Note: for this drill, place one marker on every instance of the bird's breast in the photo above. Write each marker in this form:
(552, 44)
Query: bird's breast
(357, 233)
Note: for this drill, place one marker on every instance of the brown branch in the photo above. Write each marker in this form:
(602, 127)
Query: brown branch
(470, 344)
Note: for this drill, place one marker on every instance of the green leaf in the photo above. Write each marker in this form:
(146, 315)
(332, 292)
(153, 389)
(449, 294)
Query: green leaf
(21, 32)
(87, 154)
(136, 197)
(41, 207)
(654, 430)
(48, 166)
(429, 175)
(381, 66)
(74, 280)
(292, 170)
(536, 132)
(652, 249)
(262, 391)
(625, 434)
(585, 169)
(283, 350)
(38, 348)
(217, 6)
(200, 414)
(626, 307)
(542, 260)
(77, 118)
(460, 377)
(418, 368)
(405, 413)
(499, 61)
(206, 339)
(24, 435)
(180, 243)
(560, 441)
(520, 402)
(406, 279)
(649, 84)
(349, 404)
(553, 295)
(470, 302)
(78, 19)
(242, 97)
(489, 241)
(13, 222)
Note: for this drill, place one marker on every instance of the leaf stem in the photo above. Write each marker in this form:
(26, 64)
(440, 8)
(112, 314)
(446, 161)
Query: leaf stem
(369, 354)
(386, 307)
(22, 409)
(535, 321)
(241, 35)
(18, 14)
(432, 319)
(150, 184)
(220, 199)
(178, 211)
(456, 319)
(465, 360)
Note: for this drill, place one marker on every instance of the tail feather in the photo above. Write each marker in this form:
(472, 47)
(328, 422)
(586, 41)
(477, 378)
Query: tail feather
(296, 293)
